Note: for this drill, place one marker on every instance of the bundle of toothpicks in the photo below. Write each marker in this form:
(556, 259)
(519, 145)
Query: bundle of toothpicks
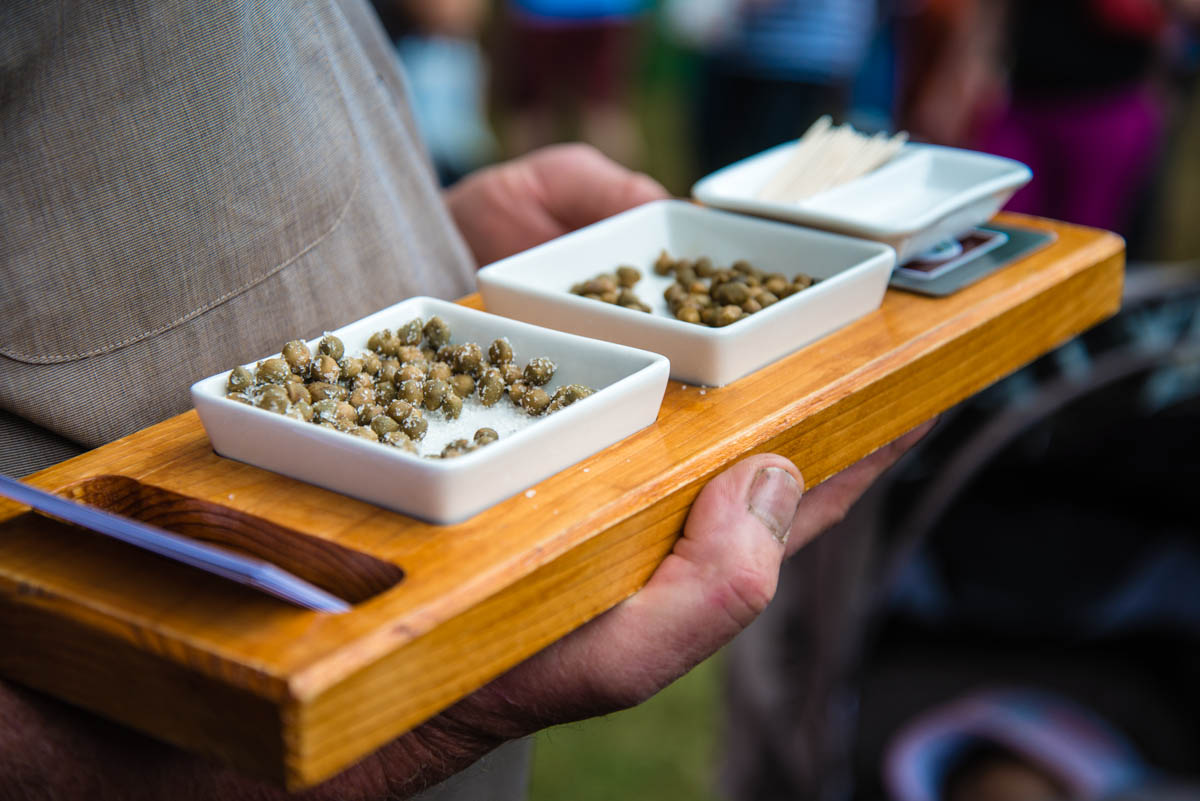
(828, 156)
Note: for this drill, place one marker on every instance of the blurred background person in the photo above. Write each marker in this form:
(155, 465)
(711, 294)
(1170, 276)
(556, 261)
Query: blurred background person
(565, 68)
(438, 42)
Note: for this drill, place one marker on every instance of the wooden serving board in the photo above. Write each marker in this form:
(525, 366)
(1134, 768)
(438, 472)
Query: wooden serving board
(297, 695)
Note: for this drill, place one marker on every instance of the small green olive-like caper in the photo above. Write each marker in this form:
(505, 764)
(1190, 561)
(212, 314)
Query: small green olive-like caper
(368, 412)
(535, 401)
(674, 294)
(398, 410)
(363, 396)
(385, 393)
(468, 358)
(362, 381)
(803, 281)
(387, 373)
(272, 371)
(383, 425)
(434, 391)
(297, 393)
(751, 306)
(688, 313)
(441, 371)
(452, 405)
(345, 416)
(273, 398)
(410, 333)
(664, 264)
(455, 448)
(512, 373)
(610, 296)
(628, 276)
(371, 363)
(462, 384)
(539, 371)
(325, 368)
(399, 439)
(566, 395)
(413, 371)
(297, 355)
(332, 347)
(516, 391)
(704, 267)
(486, 436)
(437, 333)
(364, 432)
(376, 340)
(412, 391)
(320, 390)
(301, 410)
(490, 386)
(734, 293)
(728, 314)
(500, 351)
(415, 425)
(351, 367)
(600, 284)
(391, 346)
(325, 410)
(775, 283)
(240, 379)
(628, 298)
(239, 397)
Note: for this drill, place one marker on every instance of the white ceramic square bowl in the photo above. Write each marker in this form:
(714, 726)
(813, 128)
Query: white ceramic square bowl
(535, 285)
(629, 388)
(925, 195)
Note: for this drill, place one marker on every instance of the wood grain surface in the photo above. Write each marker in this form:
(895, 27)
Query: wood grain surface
(297, 695)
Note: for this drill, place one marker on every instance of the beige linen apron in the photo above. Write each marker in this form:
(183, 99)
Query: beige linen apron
(185, 186)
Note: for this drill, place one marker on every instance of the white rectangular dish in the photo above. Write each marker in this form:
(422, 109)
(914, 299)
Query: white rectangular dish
(535, 285)
(925, 195)
(629, 388)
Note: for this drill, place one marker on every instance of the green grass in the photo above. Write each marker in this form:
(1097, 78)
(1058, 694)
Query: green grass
(665, 748)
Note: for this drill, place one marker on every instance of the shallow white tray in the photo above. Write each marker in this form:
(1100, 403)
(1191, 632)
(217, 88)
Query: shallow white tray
(535, 285)
(925, 195)
(629, 388)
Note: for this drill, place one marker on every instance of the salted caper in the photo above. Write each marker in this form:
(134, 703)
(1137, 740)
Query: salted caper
(512, 373)
(414, 371)
(297, 355)
(272, 398)
(516, 391)
(728, 314)
(490, 386)
(415, 425)
(364, 432)
(500, 351)
(452, 405)
(371, 363)
(436, 332)
(462, 384)
(240, 379)
(434, 390)
(325, 368)
(411, 391)
(362, 396)
(398, 410)
(468, 359)
(440, 370)
(272, 371)
(455, 448)
(486, 436)
(332, 347)
(535, 401)
(410, 333)
(539, 371)
(383, 425)
(628, 276)
(368, 412)
(320, 390)
(297, 393)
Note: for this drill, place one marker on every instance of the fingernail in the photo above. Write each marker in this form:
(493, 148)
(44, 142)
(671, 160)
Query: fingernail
(774, 496)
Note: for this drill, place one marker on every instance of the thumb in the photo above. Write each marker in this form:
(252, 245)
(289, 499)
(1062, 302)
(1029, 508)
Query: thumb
(721, 573)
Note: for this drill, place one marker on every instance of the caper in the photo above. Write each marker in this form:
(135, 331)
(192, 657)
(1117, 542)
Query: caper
(376, 340)
(240, 379)
(399, 440)
(272, 371)
(664, 264)
(766, 299)
(674, 294)
(689, 314)
(434, 390)
(385, 393)
(273, 398)
(372, 364)
(566, 395)
(628, 298)
(734, 293)
(742, 266)
(297, 355)
(512, 373)
(398, 410)
(387, 373)
(704, 267)
(728, 314)
(412, 391)
(468, 358)
(437, 333)
(362, 381)
(600, 285)
(383, 425)
(751, 306)
(391, 345)
(455, 448)
(415, 425)
(775, 283)
(500, 351)
(351, 367)
(368, 412)
(462, 384)
(490, 386)
(297, 393)
(610, 296)
(417, 371)
(803, 281)
(535, 401)
(486, 436)
(628, 276)
(410, 354)
(440, 371)
(325, 410)
(686, 275)
(452, 405)
(410, 333)
(363, 396)
(516, 391)
(320, 390)
(708, 315)
(301, 410)
(364, 432)
(325, 368)
(539, 371)
(239, 397)
(332, 347)
(345, 416)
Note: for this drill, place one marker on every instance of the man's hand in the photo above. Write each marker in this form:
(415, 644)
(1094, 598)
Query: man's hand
(513, 206)
(721, 573)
